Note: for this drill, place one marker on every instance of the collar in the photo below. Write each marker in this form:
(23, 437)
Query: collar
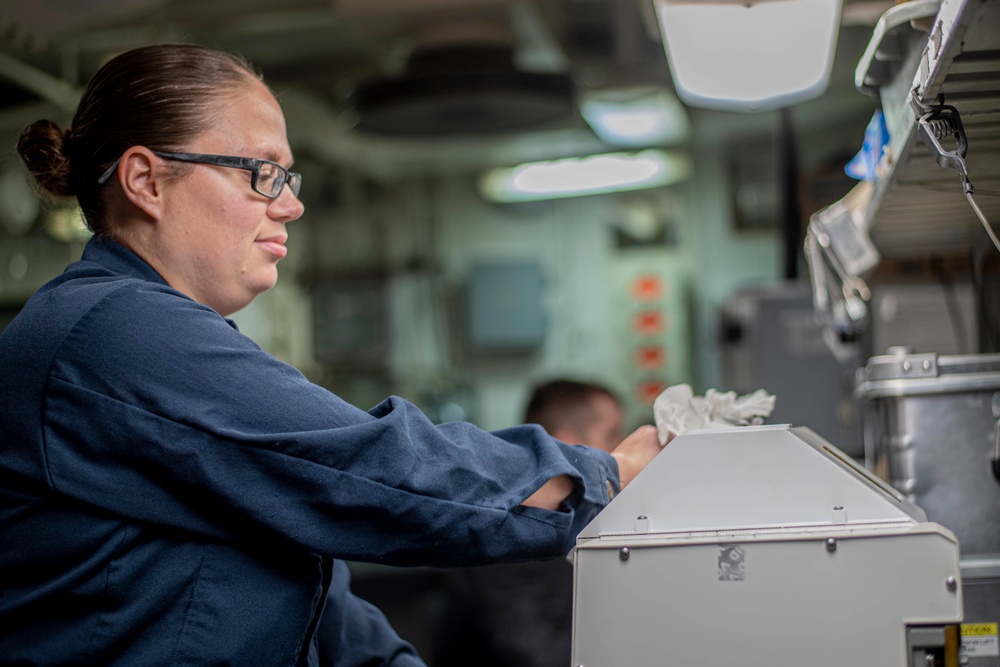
(116, 257)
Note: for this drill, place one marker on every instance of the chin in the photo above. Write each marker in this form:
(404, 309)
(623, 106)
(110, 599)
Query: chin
(265, 281)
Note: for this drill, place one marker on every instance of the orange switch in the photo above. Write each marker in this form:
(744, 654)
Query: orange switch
(648, 323)
(649, 390)
(647, 287)
(650, 357)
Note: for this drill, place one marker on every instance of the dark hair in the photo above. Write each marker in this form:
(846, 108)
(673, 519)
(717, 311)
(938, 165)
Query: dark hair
(158, 96)
(563, 403)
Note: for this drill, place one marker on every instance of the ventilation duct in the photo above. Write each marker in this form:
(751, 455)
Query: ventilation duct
(462, 89)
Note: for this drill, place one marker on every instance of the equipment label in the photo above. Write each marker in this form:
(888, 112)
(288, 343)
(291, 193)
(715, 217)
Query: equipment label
(732, 563)
(979, 640)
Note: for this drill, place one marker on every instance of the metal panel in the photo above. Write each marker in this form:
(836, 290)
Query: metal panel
(933, 432)
(761, 545)
(918, 208)
(799, 603)
(774, 339)
(751, 477)
(504, 306)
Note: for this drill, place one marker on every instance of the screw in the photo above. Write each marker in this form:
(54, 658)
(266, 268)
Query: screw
(951, 583)
(831, 545)
(623, 553)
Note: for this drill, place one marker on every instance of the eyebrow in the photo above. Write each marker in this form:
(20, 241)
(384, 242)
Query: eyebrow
(272, 156)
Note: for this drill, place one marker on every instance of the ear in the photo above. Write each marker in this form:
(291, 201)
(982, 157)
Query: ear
(141, 180)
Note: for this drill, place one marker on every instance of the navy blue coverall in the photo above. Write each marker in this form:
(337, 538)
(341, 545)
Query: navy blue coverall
(171, 494)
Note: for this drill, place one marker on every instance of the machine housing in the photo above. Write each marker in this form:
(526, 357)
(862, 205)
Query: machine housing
(763, 545)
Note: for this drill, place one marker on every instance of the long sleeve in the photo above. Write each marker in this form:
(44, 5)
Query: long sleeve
(179, 495)
(203, 431)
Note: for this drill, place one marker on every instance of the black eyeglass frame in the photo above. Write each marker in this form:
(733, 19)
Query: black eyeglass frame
(253, 165)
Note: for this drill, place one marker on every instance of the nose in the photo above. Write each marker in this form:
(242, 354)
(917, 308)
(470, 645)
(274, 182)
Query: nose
(286, 207)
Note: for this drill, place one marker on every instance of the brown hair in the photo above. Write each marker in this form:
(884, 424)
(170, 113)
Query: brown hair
(158, 96)
(563, 403)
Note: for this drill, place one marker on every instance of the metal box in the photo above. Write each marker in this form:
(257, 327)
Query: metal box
(763, 545)
(930, 432)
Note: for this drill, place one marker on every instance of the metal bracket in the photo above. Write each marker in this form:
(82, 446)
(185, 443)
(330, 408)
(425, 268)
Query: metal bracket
(936, 122)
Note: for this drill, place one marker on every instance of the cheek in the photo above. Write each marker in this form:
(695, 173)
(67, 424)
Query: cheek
(235, 225)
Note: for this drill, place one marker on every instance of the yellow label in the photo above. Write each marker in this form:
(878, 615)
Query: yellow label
(978, 629)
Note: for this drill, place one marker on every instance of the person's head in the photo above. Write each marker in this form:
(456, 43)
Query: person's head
(201, 226)
(579, 413)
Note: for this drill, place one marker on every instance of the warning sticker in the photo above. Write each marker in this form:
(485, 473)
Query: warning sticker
(980, 639)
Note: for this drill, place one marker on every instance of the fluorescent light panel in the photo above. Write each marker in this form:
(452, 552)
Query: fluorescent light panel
(749, 57)
(575, 177)
(638, 116)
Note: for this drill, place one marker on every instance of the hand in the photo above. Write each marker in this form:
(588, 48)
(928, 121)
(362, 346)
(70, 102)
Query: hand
(636, 451)
(632, 454)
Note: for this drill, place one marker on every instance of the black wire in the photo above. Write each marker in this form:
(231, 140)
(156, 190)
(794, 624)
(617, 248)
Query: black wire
(954, 309)
(988, 306)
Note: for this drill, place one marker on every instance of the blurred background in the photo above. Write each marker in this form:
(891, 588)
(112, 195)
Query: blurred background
(402, 276)
(411, 273)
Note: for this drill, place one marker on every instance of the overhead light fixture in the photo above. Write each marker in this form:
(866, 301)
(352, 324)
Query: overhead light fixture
(749, 55)
(635, 116)
(66, 224)
(576, 177)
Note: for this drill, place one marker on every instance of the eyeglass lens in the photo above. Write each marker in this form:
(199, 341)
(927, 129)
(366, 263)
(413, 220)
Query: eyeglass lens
(271, 178)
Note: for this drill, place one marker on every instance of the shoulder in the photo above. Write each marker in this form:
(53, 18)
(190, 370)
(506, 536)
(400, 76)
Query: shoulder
(97, 327)
(90, 302)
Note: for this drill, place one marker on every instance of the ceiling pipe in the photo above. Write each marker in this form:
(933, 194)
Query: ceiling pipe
(535, 47)
(49, 88)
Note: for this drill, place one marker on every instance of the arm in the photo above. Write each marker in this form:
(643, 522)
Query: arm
(632, 455)
(201, 430)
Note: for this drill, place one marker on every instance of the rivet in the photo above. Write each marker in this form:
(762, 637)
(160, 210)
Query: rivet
(831, 545)
(907, 366)
(623, 553)
(951, 583)
(926, 365)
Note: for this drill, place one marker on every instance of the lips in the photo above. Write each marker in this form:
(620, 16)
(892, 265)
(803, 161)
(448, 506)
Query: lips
(274, 245)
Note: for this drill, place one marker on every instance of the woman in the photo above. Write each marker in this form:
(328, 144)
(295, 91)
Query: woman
(169, 493)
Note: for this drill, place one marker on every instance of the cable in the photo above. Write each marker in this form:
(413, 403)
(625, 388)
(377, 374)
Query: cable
(982, 218)
(940, 121)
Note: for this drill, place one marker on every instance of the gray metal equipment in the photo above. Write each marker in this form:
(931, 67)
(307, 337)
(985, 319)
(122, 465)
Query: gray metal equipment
(763, 546)
(933, 431)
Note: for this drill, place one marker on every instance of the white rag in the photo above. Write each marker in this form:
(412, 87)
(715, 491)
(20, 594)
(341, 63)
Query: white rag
(677, 410)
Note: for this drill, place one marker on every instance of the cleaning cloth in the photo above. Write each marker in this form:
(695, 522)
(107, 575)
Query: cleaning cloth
(677, 410)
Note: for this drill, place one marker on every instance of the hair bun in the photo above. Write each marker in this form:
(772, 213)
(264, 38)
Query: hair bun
(42, 147)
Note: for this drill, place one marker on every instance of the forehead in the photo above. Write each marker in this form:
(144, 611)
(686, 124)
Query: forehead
(249, 123)
(605, 408)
